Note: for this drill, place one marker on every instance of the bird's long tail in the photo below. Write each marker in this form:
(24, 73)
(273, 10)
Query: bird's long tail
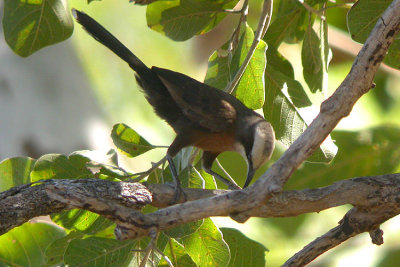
(106, 38)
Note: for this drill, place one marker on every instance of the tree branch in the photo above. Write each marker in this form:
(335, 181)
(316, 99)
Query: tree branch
(120, 201)
(355, 221)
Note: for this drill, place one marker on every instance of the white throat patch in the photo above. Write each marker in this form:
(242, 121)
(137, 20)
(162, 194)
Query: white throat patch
(258, 150)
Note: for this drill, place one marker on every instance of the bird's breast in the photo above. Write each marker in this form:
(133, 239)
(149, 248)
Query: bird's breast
(215, 142)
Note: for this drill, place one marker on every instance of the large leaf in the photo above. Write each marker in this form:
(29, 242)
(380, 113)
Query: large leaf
(57, 166)
(56, 251)
(95, 251)
(182, 19)
(31, 25)
(206, 246)
(129, 141)
(281, 110)
(15, 171)
(368, 152)
(244, 251)
(222, 69)
(25, 245)
(81, 220)
(177, 254)
(363, 16)
(393, 56)
(103, 166)
(289, 24)
(311, 59)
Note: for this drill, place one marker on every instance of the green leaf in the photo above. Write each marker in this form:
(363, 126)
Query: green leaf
(129, 141)
(368, 152)
(393, 56)
(362, 17)
(291, 88)
(81, 220)
(56, 251)
(222, 69)
(31, 25)
(15, 171)
(311, 58)
(280, 109)
(104, 166)
(96, 251)
(279, 62)
(289, 25)
(206, 246)
(184, 229)
(57, 166)
(198, 174)
(25, 245)
(180, 20)
(140, 247)
(177, 255)
(244, 251)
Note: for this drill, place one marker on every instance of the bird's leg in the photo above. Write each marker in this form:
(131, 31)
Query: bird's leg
(177, 182)
(181, 140)
(208, 159)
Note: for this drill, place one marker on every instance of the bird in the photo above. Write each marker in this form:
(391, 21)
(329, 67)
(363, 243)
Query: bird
(201, 116)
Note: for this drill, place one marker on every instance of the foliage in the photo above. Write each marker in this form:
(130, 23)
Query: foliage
(268, 83)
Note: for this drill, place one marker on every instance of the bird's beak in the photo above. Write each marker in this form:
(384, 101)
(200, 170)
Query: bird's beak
(250, 175)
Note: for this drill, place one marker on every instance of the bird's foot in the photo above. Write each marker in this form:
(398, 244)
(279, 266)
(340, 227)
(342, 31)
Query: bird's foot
(232, 186)
(178, 194)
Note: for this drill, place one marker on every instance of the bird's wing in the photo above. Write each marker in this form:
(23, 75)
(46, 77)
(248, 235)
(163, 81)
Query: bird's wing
(209, 107)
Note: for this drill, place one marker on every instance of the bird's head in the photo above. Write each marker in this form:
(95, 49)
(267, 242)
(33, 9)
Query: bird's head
(257, 143)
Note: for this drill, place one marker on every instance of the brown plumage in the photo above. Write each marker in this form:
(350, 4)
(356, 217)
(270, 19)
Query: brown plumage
(201, 116)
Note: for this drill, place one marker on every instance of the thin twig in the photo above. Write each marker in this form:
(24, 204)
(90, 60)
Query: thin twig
(311, 9)
(225, 172)
(149, 171)
(345, 5)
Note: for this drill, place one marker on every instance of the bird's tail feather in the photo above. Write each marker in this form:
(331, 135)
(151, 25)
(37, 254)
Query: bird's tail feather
(106, 38)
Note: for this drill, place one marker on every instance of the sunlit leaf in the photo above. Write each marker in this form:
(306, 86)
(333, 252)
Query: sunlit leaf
(95, 251)
(15, 171)
(177, 254)
(103, 165)
(222, 69)
(182, 19)
(55, 251)
(24, 245)
(81, 220)
(206, 246)
(57, 166)
(31, 25)
(129, 141)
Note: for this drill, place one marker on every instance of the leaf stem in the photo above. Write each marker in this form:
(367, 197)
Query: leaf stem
(263, 25)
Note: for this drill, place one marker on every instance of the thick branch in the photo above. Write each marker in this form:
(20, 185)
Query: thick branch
(119, 201)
